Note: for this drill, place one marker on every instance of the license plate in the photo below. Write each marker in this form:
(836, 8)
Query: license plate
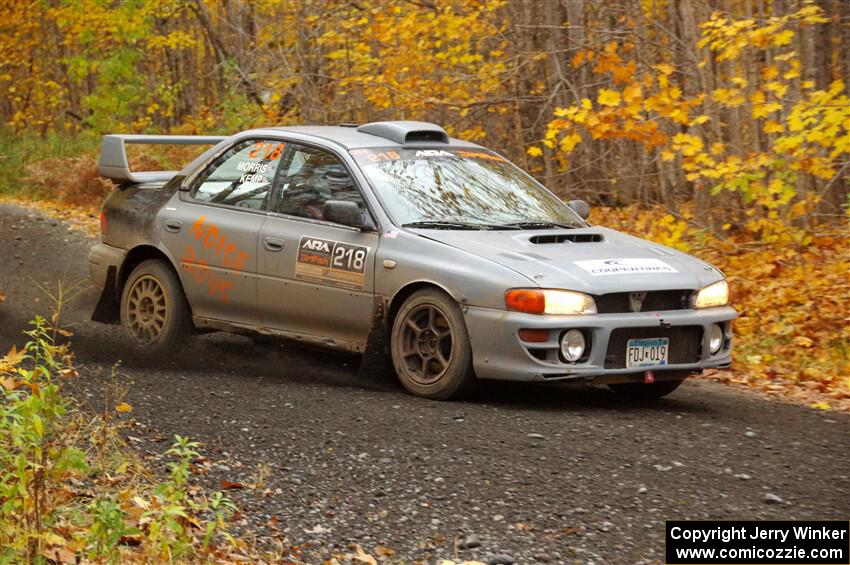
(650, 352)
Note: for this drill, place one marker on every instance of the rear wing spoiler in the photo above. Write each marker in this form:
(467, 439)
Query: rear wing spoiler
(113, 155)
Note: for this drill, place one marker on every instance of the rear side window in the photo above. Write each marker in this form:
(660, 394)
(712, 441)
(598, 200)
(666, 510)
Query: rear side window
(311, 178)
(242, 176)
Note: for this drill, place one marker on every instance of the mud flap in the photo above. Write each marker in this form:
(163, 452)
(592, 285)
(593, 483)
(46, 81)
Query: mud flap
(107, 310)
(376, 368)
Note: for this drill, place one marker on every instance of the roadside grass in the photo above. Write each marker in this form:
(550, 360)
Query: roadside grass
(72, 491)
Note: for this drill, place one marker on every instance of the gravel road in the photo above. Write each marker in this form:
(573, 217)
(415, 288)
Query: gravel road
(521, 474)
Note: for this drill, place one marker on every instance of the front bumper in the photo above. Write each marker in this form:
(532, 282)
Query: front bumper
(498, 352)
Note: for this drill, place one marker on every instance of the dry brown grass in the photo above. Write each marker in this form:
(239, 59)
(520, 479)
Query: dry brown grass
(76, 181)
(71, 180)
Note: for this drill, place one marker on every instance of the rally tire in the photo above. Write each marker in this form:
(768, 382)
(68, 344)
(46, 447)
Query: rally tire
(641, 392)
(154, 311)
(430, 349)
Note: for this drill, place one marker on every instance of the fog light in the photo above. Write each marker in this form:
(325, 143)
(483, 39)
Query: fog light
(715, 338)
(572, 345)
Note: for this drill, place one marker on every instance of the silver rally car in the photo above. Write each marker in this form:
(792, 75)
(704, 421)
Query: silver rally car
(391, 238)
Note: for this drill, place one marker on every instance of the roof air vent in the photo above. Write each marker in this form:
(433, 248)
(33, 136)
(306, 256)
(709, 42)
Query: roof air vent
(407, 132)
(436, 136)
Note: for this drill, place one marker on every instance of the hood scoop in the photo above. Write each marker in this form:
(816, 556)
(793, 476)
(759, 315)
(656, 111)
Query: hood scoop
(565, 238)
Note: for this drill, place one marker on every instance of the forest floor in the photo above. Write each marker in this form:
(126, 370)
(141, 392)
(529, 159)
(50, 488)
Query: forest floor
(321, 459)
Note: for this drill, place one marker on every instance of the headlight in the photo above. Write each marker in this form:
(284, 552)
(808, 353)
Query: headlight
(716, 294)
(541, 301)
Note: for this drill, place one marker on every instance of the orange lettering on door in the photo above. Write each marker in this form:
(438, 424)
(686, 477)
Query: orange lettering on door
(217, 241)
(217, 244)
(202, 274)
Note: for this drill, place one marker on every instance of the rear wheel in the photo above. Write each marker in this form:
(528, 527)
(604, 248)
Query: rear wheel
(643, 392)
(154, 311)
(430, 347)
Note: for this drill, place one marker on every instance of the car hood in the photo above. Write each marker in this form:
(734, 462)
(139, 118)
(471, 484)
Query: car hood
(594, 260)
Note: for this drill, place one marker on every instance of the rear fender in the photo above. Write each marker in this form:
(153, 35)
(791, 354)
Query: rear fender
(108, 308)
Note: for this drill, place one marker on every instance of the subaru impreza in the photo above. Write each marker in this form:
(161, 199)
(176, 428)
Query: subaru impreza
(393, 239)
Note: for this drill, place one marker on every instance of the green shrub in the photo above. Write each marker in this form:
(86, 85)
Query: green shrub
(49, 455)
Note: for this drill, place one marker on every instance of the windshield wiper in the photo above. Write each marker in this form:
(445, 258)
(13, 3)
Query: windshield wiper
(536, 225)
(446, 225)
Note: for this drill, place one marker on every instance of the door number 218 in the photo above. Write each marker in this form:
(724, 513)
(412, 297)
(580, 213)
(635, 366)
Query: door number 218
(349, 258)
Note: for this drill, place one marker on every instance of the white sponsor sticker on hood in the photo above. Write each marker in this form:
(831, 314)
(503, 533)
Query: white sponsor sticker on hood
(602, 267)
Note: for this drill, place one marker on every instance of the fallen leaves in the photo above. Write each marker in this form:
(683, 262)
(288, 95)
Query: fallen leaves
(362, 557)
(231, 485)
(80, 218)
(12, 358)
(59, 555)
(9, 383)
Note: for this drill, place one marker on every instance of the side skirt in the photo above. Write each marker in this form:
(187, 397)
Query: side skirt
(308, 339)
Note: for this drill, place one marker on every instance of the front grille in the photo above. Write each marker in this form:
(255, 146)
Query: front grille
(654, 301)
(685, 344)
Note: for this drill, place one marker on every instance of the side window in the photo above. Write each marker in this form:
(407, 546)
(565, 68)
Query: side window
(311, 178)
(242, 176)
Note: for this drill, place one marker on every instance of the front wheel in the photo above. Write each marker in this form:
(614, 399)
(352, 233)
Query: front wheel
(643, 392)
(154, 311)
(430, 347)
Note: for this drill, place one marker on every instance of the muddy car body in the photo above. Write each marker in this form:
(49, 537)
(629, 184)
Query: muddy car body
(394, 236)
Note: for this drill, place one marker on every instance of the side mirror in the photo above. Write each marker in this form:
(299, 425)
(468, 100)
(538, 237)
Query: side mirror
(580, 207)
(347, 213)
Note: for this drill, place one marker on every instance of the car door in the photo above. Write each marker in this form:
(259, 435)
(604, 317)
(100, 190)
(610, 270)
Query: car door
(212, 229)
(316, 278)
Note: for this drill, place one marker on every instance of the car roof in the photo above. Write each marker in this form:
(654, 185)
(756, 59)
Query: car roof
(376, 134)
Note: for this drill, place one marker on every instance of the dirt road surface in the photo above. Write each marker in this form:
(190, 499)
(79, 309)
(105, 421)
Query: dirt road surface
(524, 473)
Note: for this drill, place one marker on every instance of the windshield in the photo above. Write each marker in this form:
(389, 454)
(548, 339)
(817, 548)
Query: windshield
(454, 187)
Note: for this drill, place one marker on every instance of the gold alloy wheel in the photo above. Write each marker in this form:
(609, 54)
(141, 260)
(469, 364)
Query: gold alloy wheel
(426, 344)
(147, 309)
